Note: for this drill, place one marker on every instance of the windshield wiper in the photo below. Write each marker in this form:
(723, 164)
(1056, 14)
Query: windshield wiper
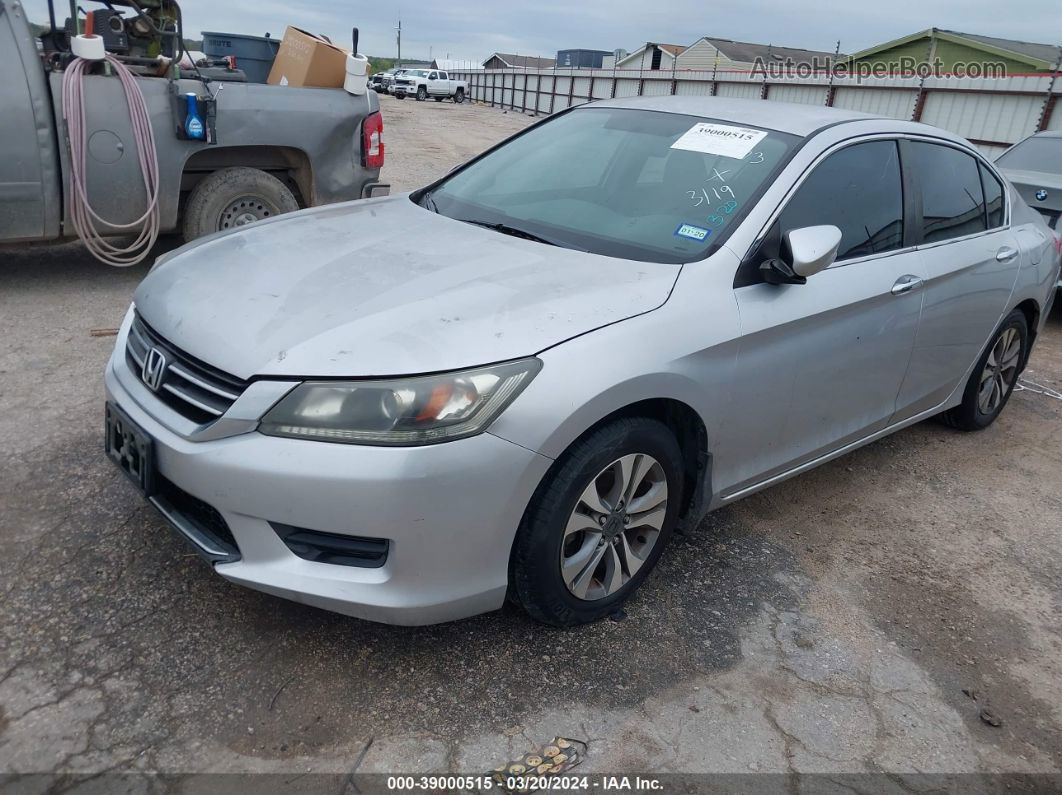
(429, 203)
(505, 229)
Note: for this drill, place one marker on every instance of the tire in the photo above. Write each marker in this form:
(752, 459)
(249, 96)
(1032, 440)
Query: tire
(422, 93)
(233, 197)
(400, 96)
(1000, 364)
(459, 96)
(559, 503)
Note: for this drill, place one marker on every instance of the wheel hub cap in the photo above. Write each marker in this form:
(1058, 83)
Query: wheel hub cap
(614, 526)
(245, 210)
(1000, 371)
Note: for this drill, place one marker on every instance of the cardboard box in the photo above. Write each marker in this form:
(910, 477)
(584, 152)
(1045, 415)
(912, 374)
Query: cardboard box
(308, 60)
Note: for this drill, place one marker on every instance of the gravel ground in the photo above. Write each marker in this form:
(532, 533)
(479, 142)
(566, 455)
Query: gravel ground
(857, 619)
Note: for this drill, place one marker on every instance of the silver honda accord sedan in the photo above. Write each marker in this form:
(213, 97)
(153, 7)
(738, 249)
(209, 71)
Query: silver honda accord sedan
(517, 382)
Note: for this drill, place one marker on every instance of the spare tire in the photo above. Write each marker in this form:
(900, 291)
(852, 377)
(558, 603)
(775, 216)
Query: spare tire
(235, 197)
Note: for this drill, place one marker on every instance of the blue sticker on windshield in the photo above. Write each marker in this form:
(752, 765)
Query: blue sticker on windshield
(692, 232)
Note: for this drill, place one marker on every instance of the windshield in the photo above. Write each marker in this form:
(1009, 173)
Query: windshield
(1034, 154)
(642, 185)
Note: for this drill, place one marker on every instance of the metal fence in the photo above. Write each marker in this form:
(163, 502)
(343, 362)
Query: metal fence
(992, 113)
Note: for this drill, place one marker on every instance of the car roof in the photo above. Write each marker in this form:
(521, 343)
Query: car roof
(788, 117)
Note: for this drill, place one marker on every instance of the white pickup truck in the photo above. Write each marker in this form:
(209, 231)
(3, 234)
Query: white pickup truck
(424, 83)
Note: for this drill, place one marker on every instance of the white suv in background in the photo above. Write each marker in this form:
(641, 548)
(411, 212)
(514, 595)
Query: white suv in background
(424, 83)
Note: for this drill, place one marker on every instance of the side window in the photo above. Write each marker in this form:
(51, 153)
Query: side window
(952, 201)
(858, 190)
(432, 76)
(442, 76)
(993, 197)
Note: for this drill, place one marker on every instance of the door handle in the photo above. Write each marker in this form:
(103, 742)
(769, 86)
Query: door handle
(1006, 254)
(905, 284)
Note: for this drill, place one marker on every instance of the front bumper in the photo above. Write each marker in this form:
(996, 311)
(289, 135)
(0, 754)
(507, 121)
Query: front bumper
(449, 511)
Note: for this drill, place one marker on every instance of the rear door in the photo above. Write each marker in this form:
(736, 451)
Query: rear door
(820, 364)
(969, 263)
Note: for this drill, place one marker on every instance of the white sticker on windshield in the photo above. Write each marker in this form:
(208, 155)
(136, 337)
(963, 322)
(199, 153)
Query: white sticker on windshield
(719, 139)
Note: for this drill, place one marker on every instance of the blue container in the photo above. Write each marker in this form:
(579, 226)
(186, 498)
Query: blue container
(193, 125)
(254, 54)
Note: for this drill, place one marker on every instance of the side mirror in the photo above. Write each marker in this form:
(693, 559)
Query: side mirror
(805, 252)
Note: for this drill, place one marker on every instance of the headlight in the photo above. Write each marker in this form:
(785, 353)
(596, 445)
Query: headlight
(403, 411)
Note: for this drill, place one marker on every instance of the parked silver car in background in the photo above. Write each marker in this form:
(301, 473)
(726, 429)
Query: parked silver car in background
(1034, 167)
(520, 380)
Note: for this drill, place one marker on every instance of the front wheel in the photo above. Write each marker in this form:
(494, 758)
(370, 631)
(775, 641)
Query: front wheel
(422, 94)
(235, 197)
(993, 379)
(598, 523)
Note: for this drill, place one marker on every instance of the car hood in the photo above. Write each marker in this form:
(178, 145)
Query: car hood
(384, 287)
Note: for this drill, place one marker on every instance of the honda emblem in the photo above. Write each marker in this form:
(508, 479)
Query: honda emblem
(154, 369)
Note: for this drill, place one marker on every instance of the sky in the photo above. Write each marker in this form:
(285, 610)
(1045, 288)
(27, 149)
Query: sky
(472, 30)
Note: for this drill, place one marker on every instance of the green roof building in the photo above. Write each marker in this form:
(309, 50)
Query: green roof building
(953, 49)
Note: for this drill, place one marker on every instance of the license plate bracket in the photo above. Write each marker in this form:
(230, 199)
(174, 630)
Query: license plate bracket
(130, 448)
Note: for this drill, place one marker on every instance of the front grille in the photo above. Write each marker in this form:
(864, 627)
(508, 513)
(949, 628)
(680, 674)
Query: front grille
(339, 550)
(198, 521)
(192, 388)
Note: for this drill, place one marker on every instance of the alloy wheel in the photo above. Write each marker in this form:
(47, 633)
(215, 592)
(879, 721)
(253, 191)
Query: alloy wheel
(1001, 369)
(614, 526)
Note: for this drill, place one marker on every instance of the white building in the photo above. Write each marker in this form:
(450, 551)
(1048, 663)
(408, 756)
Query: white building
(713, 53)
(651, 57)
(725, 54)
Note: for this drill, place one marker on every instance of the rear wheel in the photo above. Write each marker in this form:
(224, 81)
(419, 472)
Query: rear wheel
(235, 197)
(422, 94)
(992, 381)
(598, 523)
(459, 96)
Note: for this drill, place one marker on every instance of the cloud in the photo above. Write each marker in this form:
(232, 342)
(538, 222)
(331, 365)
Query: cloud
(470, 29)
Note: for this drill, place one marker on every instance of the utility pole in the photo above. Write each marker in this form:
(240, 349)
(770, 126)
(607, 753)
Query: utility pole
(399, 66)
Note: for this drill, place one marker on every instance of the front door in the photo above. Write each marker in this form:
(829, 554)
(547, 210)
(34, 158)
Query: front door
(820, 364)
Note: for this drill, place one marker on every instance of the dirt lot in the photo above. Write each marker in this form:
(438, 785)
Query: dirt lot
(856, 619)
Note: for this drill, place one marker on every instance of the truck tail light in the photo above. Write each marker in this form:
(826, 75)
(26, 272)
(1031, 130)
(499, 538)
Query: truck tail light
(372, 145)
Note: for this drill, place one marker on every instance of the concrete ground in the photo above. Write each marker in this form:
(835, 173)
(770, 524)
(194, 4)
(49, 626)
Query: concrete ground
(875, 615)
